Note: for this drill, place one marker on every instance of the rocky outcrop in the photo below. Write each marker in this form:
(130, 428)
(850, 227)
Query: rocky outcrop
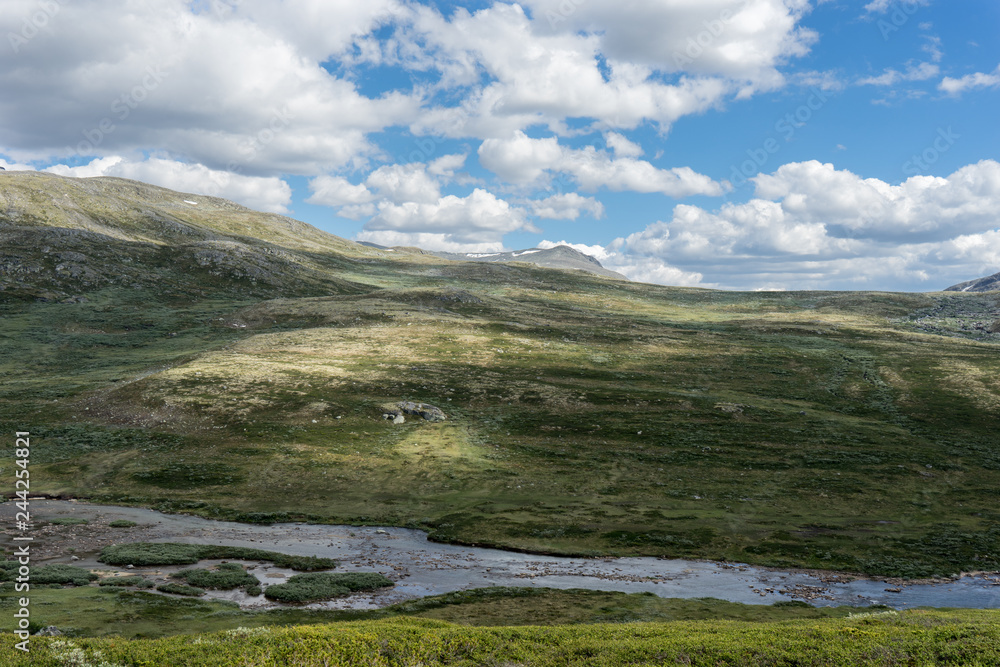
(428, 412)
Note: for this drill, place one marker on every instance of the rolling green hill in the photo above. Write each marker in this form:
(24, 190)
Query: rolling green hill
(206, 358)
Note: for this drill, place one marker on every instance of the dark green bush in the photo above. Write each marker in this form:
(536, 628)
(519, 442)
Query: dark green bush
(226, 577)
(123, 523)
(170, 553)
(324, 585)
(180, 589)
(150, 553)
(49, 574)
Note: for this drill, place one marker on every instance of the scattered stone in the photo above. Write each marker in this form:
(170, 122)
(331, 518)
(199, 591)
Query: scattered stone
(425, 410)
(50, 631)
(399, 419)
(130, 567)
(75, 558)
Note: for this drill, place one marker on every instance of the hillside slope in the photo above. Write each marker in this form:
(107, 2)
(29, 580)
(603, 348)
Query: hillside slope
(585, 415)
(63, 237)
(987, 284)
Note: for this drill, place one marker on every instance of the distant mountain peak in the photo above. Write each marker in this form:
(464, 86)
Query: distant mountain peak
(557, 257)
(987, 284)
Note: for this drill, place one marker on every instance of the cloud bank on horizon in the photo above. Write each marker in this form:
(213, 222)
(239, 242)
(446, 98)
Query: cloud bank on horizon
(746, 144)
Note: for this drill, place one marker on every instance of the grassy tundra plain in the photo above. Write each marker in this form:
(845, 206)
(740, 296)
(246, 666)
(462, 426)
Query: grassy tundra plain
(209, 359)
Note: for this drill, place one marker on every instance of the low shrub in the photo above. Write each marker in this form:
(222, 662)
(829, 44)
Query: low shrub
(226, 577)
(49, 574)
(325, 585)
(171, 553)
(180, 589)
(123, 523)
(150, 553)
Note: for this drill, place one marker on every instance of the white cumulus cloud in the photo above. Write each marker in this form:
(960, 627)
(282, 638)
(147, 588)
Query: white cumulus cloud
(568, 206)
(813, 226)
(602, 61)
(261, 193)
(621, 145)
(338, 191)
(523, 160)
(470, 224)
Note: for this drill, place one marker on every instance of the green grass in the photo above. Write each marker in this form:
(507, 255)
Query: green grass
(910, 638)
(316, 586)
(110, 609)
(546, 606)
(68, 521)
(124, 582)
(123, 523)
(171, 553)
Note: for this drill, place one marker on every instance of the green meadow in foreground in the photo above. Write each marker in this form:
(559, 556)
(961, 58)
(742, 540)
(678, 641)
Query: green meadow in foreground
(915, 637)
(89, 611)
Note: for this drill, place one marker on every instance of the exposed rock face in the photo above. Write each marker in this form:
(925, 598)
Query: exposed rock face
(425, 410)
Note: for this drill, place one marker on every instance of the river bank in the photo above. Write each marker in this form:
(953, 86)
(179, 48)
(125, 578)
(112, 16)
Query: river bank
(421, 568)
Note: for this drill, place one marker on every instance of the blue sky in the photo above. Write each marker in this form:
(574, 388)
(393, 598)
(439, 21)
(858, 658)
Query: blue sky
(740, 144)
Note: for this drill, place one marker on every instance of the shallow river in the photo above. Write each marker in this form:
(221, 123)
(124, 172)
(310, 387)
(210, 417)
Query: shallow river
(421, 568)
